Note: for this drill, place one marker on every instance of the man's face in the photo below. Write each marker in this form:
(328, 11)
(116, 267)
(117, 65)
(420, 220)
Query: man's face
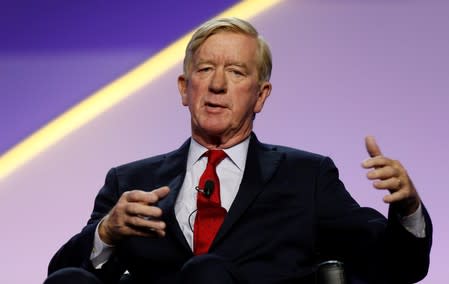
(222, 89)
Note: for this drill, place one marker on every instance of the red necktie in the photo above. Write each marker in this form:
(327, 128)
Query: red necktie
(210, 214)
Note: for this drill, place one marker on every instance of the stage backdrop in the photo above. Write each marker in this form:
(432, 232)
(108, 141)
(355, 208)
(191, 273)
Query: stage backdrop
(342, 70)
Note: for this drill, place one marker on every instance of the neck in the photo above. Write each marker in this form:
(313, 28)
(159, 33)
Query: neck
(220, 142)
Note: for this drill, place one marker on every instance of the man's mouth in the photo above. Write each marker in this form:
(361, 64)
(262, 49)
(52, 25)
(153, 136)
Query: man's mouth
(213, 105)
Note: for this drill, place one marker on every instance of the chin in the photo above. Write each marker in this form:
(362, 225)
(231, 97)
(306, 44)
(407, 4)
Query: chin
(214, 131)
(213, 126)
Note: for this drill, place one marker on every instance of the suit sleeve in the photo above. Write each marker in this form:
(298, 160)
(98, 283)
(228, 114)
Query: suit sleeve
(370, 244)
(76, 252)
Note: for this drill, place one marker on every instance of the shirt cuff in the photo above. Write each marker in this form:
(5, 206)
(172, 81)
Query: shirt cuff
(101, 251)
(415, 223)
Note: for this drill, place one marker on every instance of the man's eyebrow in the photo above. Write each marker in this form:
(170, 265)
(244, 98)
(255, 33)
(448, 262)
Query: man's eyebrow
(227, 64)
(238, 64)
(203, 61)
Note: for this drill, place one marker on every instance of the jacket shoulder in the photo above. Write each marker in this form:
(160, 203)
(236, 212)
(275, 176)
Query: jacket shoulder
(154, 163)
(291, 153)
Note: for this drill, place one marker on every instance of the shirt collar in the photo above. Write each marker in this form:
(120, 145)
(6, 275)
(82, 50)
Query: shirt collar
(237, 153)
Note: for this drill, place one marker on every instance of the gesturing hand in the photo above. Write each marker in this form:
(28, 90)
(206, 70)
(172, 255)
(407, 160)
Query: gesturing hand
(390, 174)
(135, 214)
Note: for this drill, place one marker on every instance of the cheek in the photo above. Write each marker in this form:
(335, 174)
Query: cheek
(250, 96)
(196, 89)
(191, 95)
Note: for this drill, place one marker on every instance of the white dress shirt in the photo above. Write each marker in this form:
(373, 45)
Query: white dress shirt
(230, 174)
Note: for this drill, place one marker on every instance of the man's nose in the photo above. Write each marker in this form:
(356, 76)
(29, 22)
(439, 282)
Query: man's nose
(218, 83)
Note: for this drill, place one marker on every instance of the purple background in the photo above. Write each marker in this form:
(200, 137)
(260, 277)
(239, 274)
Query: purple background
(53, 54)
(342, 70)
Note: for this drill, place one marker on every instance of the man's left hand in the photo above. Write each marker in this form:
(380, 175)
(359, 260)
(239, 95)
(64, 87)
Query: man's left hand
(389, 174)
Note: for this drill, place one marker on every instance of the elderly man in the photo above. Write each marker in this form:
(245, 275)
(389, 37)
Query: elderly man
(226, 208)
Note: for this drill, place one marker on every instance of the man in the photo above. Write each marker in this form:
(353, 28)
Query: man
(258, 214)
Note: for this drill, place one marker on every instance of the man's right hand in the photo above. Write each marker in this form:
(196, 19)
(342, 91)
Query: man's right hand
(135, 214)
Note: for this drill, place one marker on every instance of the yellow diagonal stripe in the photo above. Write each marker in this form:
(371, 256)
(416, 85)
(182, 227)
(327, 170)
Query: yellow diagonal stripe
(112, 94)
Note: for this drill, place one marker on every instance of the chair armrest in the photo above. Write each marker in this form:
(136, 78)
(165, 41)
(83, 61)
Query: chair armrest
(330, 272)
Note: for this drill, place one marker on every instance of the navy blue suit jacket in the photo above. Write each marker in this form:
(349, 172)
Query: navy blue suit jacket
(290, 211)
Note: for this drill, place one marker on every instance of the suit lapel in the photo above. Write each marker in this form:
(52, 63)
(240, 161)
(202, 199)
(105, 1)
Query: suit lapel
(175, 167)
(261, 164)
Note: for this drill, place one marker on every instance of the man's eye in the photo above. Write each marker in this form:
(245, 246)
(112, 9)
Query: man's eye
(237, 72)
(205, 69)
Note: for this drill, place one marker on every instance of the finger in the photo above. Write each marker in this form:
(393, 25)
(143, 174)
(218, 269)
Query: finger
(152, 232)
(155, 195)
(393, 184)
(161, 192)
(147, 197)
(372, 147)
(147, 228)
(143, 210)
(137, 196)
(383, 173)
(395, 196)
(145, 224)
(376, 162)
(160, 233)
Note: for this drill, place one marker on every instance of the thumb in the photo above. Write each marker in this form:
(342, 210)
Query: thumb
(372, 147)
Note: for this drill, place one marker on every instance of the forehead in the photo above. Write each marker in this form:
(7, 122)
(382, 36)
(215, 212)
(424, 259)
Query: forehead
(228, 46)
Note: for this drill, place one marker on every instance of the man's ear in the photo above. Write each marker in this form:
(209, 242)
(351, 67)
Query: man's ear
(264, 93)
(182, 87)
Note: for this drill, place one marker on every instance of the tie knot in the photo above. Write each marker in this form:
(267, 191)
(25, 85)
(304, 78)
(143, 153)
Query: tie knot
(214, 157)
